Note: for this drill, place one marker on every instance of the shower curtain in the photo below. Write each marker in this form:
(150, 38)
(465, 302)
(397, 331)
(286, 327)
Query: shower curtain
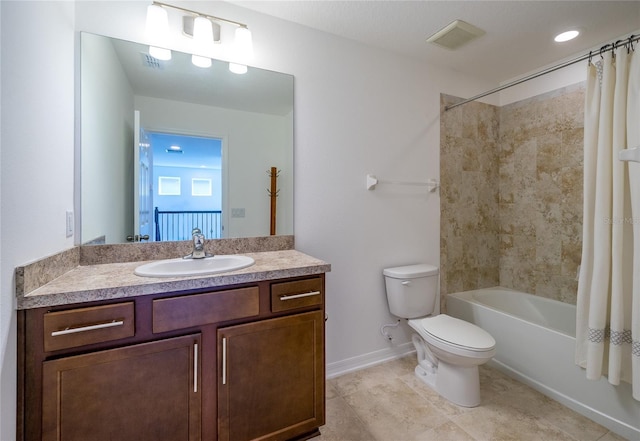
(608, 306)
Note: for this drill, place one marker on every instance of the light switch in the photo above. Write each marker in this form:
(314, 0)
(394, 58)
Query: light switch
(237, 212)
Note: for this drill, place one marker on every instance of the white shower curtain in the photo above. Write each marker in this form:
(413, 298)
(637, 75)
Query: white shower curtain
(608, 307)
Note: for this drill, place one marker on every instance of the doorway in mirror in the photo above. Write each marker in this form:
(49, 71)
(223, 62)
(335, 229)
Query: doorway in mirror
(186, 186)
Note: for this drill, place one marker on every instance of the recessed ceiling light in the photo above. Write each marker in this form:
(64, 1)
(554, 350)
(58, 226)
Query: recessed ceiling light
(566, 36)
(174, 149)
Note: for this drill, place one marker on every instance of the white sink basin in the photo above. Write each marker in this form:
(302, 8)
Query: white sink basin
(194, 267)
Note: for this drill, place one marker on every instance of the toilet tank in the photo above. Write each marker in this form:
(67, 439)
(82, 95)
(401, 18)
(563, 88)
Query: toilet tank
(412, 290)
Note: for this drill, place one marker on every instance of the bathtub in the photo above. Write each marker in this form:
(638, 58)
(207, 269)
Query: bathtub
(535, 342)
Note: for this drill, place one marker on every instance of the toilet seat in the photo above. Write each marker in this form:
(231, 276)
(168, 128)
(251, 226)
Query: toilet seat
(457, 336)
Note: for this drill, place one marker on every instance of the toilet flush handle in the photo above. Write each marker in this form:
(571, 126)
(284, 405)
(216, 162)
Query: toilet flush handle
(406, 282)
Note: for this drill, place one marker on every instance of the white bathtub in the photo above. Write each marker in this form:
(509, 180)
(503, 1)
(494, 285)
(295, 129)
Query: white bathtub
(535, 342)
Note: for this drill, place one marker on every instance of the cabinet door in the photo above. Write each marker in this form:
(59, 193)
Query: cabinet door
(271, 378)
(148, 391)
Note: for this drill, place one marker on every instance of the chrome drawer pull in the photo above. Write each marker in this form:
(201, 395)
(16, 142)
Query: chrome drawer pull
(88, 328)
(299, 296)
(195, 367)
(224, 360)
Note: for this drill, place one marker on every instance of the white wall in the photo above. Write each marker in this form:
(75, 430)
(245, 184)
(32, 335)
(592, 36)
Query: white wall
(555, 80)
(567, 76)
(37, 142)
(358, 110)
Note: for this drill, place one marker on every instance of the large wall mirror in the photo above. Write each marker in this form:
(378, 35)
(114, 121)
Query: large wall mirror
(167, 146)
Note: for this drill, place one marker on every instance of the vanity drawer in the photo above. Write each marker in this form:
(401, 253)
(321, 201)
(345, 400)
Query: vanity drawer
(296, 294)
(201, 309)
(84, 326)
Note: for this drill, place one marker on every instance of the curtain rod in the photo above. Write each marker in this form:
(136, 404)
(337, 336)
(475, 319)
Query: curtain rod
(606, 47)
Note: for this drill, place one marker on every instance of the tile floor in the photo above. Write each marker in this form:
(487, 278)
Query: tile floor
(388, 403)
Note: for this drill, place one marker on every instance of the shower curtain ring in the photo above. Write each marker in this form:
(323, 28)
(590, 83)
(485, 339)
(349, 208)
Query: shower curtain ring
(614, 46)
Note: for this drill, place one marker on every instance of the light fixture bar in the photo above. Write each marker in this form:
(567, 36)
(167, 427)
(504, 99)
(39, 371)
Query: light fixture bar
(211, 17)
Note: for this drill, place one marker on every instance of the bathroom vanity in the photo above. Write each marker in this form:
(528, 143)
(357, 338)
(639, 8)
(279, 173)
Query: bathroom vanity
(235, 356)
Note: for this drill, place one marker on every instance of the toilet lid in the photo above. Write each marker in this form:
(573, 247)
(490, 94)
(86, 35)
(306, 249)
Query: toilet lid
(458, 332)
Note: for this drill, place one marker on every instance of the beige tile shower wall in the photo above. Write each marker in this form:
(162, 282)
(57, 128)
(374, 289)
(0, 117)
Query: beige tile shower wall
(541, 152)
(469, 237)
(511, 196)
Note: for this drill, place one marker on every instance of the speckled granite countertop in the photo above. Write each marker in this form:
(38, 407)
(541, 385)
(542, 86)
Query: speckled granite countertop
(117, 280)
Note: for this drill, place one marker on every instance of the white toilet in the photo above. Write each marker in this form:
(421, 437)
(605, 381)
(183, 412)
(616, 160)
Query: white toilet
(449, 349)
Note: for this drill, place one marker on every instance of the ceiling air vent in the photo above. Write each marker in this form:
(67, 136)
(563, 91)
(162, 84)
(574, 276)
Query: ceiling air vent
(150, 61)
(455, 35)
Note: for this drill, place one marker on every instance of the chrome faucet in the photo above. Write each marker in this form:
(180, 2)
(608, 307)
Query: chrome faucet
(198, 246)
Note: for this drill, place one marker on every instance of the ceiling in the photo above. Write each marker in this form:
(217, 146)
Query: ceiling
(518, 40)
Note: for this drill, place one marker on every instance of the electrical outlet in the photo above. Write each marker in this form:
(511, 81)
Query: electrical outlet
(69, 229)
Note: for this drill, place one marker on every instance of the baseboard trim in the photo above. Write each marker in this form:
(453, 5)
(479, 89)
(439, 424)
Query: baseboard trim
(363, 361)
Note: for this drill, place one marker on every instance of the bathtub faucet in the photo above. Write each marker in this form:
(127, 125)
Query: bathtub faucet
(198, 246)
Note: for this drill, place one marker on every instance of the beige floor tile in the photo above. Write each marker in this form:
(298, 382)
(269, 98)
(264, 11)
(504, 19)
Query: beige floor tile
(445, 432)
(368, 378)
(393, 411)
(535, 404)
(388, 402)
(342, 423)
(495, 422)
(330, 391)
(494, 383)
(610, 436)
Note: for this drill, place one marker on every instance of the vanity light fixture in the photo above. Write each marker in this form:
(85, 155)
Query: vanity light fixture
(157, 28)
(243, 44)
(243, 50)
(204, 29)
(202, 37)
(566, 36)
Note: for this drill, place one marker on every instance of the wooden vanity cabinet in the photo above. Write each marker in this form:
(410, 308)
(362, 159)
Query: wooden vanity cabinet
(147, 391)
(231, 363)
(272, 378)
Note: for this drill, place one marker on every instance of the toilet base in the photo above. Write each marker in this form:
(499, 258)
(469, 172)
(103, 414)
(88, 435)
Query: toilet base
(458, 384)
(428, 378)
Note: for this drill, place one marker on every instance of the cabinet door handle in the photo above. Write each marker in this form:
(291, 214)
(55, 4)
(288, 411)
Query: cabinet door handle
(299, 296)
(195, 367)
(224, 360)
(66, 331)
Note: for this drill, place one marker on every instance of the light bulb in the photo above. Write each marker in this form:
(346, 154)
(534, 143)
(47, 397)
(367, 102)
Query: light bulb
(199, 61)
(160, 53)
(202, 31)
(238, 68)
(202, 37)
(566, 36)
(157, 22)
(243, 44)
(157, 28)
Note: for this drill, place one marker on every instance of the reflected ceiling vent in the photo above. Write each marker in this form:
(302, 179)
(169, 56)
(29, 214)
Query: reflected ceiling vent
(455, 35)
(151, 61)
